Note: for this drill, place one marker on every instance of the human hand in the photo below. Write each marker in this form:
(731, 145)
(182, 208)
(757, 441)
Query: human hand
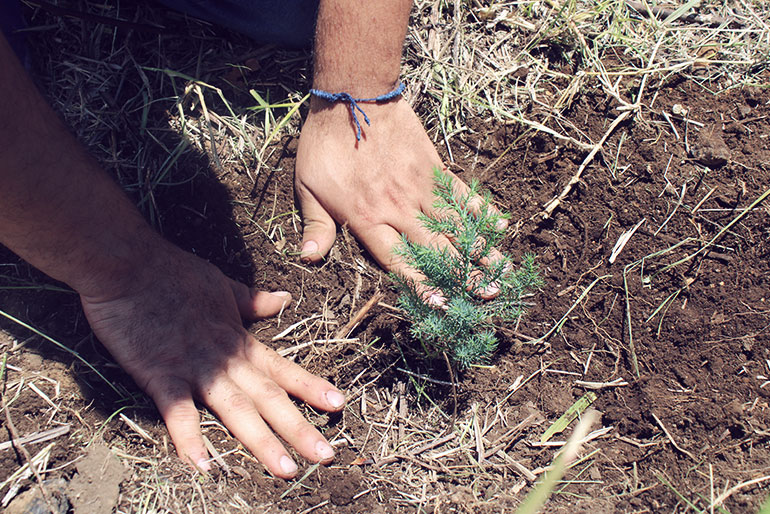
(176, 329)
(376, 186)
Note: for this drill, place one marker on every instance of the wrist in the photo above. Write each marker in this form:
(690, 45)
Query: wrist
(357, 88)
(355, 106)
(119, 267)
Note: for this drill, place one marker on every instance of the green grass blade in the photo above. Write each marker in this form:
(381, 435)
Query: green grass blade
(564, 318)
(542, 491)
(299, 482)
(680, 11)
(678, 494)
(719, 234)
(278, 127)
(575, 410)
(765, 509)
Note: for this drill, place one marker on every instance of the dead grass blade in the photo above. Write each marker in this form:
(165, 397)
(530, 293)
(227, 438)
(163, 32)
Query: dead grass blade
(536, 499)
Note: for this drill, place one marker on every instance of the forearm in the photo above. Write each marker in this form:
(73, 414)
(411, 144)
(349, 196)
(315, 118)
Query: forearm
(358, 45)
(58, 210)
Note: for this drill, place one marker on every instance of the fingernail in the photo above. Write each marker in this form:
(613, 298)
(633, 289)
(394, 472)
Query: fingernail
(491, 289)
(335, 399)
(436, 300)
(309, 248)
(282, 294)
(287, 465)
(324, 450)
(501, 224)
(203, 465)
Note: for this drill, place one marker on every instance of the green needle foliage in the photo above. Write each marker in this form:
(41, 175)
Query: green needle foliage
(464, 328)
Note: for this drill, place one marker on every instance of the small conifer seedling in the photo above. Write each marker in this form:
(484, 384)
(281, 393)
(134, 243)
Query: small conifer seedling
(464, 327)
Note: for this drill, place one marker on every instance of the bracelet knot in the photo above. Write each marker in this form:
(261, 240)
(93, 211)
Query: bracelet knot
(353, 103)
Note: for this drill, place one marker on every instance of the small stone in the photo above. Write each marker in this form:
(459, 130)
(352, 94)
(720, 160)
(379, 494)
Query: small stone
(31, 501)
(679, 110)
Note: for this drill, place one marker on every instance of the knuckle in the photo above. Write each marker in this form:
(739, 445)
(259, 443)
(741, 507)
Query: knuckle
(272, 392)
(266, 444)
(239, 402)
(187, 415)
(276, 364)
(475, 203)
(303, 430)
(166, 388)
(436, 240)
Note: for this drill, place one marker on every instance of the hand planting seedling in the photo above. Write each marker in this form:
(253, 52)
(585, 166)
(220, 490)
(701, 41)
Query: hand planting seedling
(464, 327)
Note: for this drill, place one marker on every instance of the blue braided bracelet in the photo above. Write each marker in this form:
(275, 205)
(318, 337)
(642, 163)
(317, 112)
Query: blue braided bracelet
(353, 102)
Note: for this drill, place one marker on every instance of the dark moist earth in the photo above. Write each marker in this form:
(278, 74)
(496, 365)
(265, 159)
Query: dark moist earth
(699, 330)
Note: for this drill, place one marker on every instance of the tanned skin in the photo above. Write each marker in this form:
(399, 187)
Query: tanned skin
(174, 321)
(376, 186)
(170, 319)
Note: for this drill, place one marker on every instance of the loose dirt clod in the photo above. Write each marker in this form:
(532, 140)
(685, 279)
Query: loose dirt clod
(710, 148)
(95, 488)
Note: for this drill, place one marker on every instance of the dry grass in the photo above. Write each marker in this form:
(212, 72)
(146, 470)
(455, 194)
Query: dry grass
(148, 104)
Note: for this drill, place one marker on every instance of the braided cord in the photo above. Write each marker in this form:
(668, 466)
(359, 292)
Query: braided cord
(353, 103)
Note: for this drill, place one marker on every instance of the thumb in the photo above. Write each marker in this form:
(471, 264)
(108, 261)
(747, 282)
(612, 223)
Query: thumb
(319, 229)
(254, 304)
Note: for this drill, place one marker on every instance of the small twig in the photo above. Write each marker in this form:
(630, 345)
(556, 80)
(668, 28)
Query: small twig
(288, 330)
(42, 395)
(505, 440)
(283, 352)
(553, 204)
(623, 240)
(618, 382)
(314, 507)
(671, 439)
(139, 430)
(670, 123)
(454, 393)
(703, 200)
(542, 128)
(215, 455)
(477, 435)
(429, 446)
(725, 495)
(637, 443)
(525, 472)
(37, 437)
(361, 314)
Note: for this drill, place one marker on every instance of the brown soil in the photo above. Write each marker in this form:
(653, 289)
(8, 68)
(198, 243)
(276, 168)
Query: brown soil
(699, 331)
